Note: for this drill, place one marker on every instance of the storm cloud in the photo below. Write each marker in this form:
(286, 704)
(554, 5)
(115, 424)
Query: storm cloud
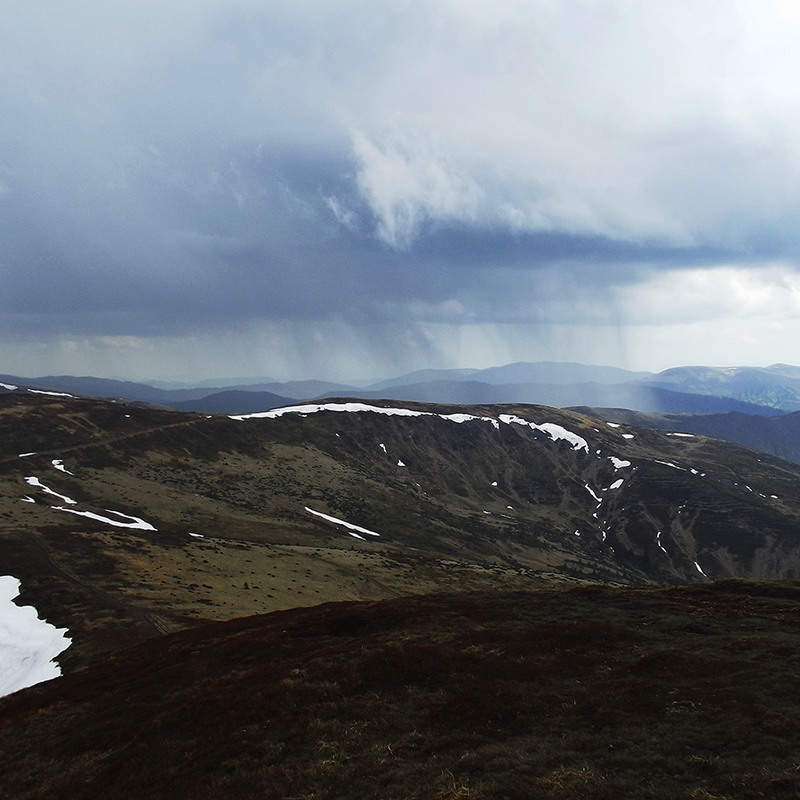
(369, 186)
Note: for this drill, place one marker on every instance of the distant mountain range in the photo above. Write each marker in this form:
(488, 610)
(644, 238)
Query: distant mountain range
(767, 391)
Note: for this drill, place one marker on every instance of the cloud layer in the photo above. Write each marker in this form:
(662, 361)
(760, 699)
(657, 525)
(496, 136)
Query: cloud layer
(388, 180)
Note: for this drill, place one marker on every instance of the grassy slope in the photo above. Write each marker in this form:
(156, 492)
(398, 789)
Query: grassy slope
(689, 692)
(245, 485)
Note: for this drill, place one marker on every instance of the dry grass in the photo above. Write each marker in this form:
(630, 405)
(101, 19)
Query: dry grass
(589, 693)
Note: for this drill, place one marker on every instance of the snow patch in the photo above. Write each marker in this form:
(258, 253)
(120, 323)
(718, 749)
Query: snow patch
(51, 394)
(9, 386)
(670, 464)
(314, 408)
(400, 463)
(619, 463)
(135, 523)
(592, 493)
(700, 570)
(28, 644)
(555, 432)
(353, 530)
(617, 483)
(32, 480)
(59, 465)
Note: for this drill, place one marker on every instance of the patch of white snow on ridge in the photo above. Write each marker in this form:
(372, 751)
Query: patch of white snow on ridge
(627, 436)
(28, 499)
(555, 432)
(617, 483)
(468, 418)
(658, 542)
(9, 386)
(59, 465)
(32, 480)
(52, 394)
(135, 523)
(685, 435)
(353, 530)
(197, 535)
(612, 424)
(400, 464)
(314, 408)
(619, 463)
(25, 455)
(28, 644)
(382, 447)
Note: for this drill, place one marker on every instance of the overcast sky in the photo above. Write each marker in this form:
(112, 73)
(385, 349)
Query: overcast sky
(354, 189)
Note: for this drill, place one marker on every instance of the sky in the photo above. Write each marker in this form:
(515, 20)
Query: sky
(354, 189)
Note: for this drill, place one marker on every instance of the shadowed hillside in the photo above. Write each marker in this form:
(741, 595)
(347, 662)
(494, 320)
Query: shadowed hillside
(592, 693)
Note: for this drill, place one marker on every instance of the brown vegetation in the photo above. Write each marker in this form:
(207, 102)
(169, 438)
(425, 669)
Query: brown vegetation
(594, 692)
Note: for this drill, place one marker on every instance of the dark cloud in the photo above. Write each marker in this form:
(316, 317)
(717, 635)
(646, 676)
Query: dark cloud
(211, 169)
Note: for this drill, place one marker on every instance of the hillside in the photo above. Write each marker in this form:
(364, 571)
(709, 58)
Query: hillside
(777, 436)
(127, 523)
(593, 693)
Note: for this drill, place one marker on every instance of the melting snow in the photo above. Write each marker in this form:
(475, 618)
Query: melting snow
(619, 463)
(133, 522)
(9, 386)
(494, 483)
(382, 446)
(700, 570)
(31, 480)
(467, 418)
(25, 455)
(617, 483)
(658, 542)
(59, 465)
(28, 644)
(685, 435)
(554, 431)
(670, 464)
(612, 424)
(592, 492)
(353, 530)
(197, 535)
(313, 408)
(27, 499)
(52, 394)
(627, 436)
(400, 464)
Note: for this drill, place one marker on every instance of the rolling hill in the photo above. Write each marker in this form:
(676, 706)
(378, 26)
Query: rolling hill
(593, 693)
(125, 523)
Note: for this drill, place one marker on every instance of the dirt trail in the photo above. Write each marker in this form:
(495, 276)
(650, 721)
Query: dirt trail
(101, 442)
